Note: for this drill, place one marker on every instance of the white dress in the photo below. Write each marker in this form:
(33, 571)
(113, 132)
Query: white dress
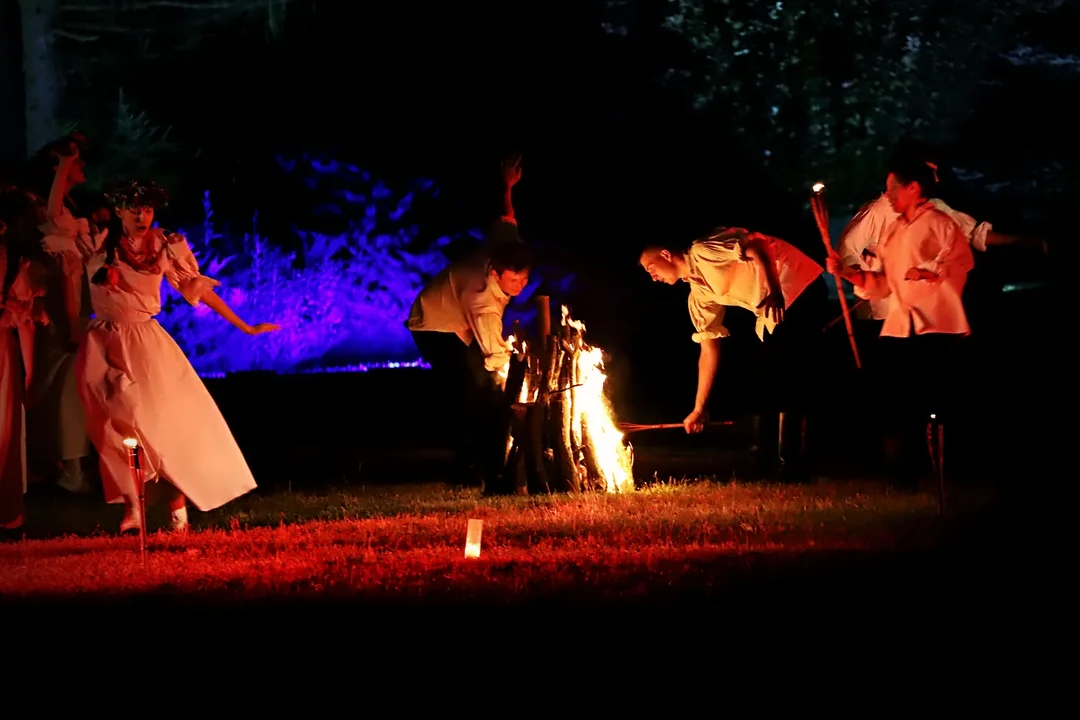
(135, 381)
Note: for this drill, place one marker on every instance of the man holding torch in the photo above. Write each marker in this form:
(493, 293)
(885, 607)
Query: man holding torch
(733, 267)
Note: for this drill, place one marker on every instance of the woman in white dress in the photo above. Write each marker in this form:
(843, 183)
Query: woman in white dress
(56, 422)
(136, 382)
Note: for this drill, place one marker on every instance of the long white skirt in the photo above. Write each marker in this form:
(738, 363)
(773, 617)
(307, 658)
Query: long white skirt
(135, 381)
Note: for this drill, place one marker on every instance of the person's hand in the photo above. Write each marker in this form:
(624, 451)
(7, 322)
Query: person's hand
(774, 305)
(915, 273)
(695, 421)
(261, 328)
(66, 149)
(833, 264)
(511, 169)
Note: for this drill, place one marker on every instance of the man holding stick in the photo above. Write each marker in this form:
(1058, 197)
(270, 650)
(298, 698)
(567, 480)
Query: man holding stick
(764, 275)
(457, 324)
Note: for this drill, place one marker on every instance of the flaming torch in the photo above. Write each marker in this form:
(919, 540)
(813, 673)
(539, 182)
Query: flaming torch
(135, 463)
(821, 216)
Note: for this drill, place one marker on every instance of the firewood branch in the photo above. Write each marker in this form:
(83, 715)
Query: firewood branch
(75, 36)
(151, 5)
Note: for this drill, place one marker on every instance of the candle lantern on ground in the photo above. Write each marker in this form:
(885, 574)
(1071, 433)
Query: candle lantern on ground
(472, 538)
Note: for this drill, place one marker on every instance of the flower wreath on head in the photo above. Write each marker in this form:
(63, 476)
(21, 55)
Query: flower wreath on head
(135, 193)
(129, 195)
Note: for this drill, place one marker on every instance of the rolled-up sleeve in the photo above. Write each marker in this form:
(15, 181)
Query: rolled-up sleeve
(861, 233)
(954, 252)
(183, 271)
(707, 317)
(711, 260)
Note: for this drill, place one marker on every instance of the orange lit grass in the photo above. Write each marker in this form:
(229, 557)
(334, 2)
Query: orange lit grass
(410, 542)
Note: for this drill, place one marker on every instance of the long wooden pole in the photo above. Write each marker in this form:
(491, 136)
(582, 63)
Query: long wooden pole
(821, 215)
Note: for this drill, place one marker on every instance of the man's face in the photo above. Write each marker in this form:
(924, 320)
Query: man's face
(660, 266)
(901, 197)
(512, 282)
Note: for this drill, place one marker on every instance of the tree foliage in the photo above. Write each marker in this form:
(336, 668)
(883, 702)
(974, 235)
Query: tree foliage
(823, 89)
(100, 43)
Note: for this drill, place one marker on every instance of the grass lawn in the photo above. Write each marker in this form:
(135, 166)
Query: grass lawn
(689, 542)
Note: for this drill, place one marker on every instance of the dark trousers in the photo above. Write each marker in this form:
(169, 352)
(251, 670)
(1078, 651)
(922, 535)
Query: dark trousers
(475, 407)
(788, 366)
(922, 383)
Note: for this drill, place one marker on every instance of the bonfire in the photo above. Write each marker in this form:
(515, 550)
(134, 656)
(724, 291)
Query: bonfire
(564, 438)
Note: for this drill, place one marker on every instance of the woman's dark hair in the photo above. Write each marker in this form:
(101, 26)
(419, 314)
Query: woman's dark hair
(39, 171)
(20, 233)
(912, 167)
(515, 256)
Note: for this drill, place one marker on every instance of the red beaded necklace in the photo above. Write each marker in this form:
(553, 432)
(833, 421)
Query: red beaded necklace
(144, 261)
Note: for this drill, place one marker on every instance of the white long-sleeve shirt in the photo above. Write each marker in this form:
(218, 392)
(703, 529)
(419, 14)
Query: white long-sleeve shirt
(931, 241)
(721, 275)
(869, 226)
(465, 299)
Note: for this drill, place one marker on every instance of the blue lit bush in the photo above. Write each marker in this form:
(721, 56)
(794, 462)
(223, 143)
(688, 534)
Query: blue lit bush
(341, 298)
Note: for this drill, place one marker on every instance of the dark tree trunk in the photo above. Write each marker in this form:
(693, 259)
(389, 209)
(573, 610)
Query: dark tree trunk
(13, 149)
(41, 77)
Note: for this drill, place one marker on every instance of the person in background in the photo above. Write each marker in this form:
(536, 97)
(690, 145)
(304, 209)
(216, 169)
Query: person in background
(733, 267)
(923, 259)
(22, 276)
(457, 324)
(860, 238)
(56, 421)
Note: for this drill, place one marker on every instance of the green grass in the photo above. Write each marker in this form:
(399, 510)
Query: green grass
(408, 542)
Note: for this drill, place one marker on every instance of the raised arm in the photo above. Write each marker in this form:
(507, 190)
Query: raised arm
(511, 174)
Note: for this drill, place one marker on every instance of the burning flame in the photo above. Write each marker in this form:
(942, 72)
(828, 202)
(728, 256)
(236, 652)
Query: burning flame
(593, 430)
(818, 187)
(592, 410)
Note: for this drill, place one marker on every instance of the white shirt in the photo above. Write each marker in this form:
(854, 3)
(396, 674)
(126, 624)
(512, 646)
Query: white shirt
(931, 241)
(869, 226)
(466, 300)
(721, 275)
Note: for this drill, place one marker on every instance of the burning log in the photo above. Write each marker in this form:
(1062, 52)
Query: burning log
(561, 413)
(566, 439)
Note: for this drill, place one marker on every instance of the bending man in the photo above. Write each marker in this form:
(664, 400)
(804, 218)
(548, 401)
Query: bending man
(457, 324)
(764, 275)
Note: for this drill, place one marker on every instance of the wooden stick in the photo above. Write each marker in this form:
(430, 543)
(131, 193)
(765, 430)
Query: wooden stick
(627, 428)
(821, 216)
